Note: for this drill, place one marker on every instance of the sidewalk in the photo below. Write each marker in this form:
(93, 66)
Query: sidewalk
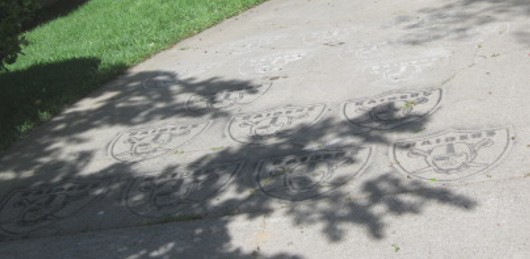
(299, 129)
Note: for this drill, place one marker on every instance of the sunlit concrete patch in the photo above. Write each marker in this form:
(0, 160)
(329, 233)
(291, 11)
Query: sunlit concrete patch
(391, 62)
(489, 31)
(331, 37)
(273, 64)
(396, 69)
(251, 44)
(452, 154)
(365, 50)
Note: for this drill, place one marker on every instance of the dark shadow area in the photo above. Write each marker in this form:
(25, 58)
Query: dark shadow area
(35, 94)
(464, 20)
(296, 160)
(385, 196)
(51, 12)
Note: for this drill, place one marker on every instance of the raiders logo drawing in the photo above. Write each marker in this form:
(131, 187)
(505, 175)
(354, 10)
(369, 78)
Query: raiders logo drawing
(227, 99)
(274, 124)
(453, 154)
(26, 210)
(166, 194)
(391, 110)
(272, 64)
(152, 141)
(304, 176)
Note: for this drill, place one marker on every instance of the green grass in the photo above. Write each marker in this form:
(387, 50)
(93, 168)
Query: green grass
(72, 55)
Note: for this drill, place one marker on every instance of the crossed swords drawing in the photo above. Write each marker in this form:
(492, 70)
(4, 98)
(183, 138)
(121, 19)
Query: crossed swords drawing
(451, 157)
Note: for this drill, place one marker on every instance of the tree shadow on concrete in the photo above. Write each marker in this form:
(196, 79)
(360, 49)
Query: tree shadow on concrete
(57, 182)
(129, 101)
(464, 20)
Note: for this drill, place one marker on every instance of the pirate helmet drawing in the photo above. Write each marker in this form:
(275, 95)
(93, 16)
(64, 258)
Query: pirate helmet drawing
(451, 158)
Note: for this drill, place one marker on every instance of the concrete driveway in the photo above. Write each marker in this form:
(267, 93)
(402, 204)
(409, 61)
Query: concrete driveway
(298, 129)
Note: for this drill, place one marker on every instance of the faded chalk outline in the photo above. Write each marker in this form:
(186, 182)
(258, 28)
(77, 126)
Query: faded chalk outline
(25, 210)
(167, 194)
(263, 126)
(232, 99)
(307, 175)
(273, 63)
(152, 141)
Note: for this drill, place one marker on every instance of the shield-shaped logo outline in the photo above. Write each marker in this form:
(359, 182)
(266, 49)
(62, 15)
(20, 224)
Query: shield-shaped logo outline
(261, 90)
(133, 182)
(53, 219)
(360, 128)
(112, 144)
(361, 169)
(321, 108)
(506, 148)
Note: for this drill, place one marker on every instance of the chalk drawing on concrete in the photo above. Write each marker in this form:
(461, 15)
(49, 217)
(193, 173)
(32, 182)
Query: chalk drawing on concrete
(151, 141)
(391, 110)
(29, 209)
(274, 125)
(452, 154)
(227, 99)
(272, 64)
(308, 175)
(178, 190)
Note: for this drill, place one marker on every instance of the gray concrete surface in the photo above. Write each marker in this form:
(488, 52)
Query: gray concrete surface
(298, 129)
